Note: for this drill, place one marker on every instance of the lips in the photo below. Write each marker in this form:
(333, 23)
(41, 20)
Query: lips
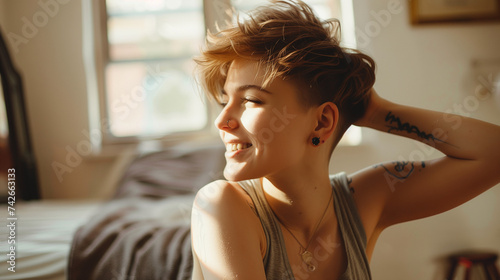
(232, 147)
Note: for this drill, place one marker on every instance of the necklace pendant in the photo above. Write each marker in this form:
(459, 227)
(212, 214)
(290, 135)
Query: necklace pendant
(307, 258)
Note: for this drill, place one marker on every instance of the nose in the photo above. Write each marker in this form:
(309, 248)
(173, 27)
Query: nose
(226, 120)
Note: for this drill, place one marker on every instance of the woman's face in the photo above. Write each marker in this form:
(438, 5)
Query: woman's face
(265, 130)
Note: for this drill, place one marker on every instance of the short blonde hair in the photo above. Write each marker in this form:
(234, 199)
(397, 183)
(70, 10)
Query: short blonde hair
(290, 41)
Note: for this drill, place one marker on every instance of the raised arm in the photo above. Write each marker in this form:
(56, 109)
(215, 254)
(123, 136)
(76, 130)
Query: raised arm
(400, 191)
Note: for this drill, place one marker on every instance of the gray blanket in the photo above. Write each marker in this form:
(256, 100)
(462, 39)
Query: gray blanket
(143, 233)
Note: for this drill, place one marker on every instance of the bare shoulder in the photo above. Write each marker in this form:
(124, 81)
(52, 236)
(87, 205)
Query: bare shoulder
(225, 206)
(227, 236)
(222, 196)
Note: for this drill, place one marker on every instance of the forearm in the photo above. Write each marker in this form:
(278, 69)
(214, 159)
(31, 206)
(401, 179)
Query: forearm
(456, 136)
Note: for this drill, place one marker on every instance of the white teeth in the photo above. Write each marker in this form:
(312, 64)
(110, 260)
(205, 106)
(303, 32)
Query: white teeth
(235, 147)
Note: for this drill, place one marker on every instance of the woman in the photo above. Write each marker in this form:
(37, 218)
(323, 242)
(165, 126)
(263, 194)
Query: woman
(289, 92)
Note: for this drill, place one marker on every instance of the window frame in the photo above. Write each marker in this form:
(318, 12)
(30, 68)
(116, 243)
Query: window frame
(102, 60)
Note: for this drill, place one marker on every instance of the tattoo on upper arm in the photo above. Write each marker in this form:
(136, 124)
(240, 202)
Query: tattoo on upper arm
(394, 123)
(400, 169)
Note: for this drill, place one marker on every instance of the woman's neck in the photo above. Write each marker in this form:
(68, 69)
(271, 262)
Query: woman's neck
(299, 197)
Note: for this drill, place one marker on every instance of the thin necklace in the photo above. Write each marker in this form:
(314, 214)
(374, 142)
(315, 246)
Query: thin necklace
(305, 254)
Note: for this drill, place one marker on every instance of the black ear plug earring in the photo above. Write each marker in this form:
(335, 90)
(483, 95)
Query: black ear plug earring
(315, 141)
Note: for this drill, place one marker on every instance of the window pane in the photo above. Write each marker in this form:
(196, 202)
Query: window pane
(148, 99)
(149, 79)
(323, 8)
(155, 36)
(121, 7)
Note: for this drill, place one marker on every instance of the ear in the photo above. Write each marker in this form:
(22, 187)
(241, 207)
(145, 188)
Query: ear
(327, 115)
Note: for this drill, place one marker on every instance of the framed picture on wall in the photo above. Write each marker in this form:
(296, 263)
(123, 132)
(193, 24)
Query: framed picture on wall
(435, 11)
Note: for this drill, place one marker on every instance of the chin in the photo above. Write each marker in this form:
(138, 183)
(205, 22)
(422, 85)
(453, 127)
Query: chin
(235, 174)
(234, 177)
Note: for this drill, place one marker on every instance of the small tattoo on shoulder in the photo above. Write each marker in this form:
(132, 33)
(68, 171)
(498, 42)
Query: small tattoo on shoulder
(400, 169)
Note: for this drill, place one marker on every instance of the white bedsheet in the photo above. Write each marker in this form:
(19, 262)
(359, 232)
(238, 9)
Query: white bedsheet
(44, 230)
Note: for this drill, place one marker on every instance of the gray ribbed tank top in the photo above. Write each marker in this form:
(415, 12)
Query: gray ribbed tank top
(275, 260)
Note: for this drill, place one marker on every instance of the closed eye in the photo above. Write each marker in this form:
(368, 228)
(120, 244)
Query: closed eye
(251, 100)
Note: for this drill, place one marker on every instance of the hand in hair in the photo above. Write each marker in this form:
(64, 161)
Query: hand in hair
(374, 103)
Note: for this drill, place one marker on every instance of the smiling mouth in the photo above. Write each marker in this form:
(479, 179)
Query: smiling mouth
(232, 147)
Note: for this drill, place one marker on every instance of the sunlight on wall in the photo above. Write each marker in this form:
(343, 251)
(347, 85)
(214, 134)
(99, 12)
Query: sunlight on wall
(352, 137)
(348, 27)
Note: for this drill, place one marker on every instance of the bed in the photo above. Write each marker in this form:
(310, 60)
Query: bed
(44, 234)
(143, 232)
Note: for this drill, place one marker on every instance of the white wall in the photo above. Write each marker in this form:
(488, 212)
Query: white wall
(46, 44)
(429, 67)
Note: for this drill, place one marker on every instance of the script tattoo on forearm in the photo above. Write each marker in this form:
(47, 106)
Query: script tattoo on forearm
(395, 123)
(400, 169)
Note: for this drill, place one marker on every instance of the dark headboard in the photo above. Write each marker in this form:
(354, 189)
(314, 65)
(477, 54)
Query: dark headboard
(19, 141)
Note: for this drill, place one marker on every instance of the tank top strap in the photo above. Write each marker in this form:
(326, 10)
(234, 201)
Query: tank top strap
(353, 232)
(276, 263)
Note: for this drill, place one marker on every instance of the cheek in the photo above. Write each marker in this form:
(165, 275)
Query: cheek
(267, 127)
(255, 121)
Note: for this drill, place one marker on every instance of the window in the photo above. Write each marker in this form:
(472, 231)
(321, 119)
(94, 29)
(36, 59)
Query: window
(148, 73)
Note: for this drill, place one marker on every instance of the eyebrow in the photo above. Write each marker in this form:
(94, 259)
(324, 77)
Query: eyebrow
(247, 87)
